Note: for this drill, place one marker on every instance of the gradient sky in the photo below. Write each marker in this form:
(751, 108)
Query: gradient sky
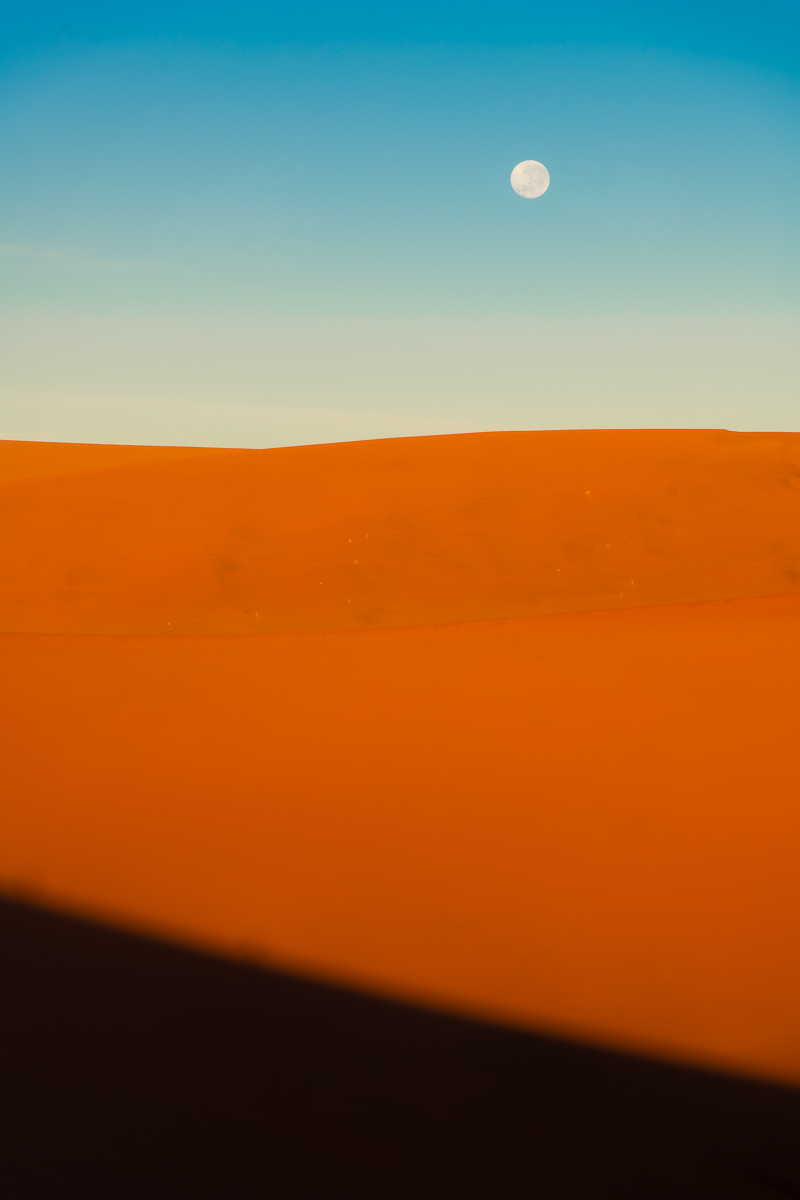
(241, 224)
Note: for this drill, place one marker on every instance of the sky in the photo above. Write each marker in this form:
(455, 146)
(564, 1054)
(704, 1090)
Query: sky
(251, 224)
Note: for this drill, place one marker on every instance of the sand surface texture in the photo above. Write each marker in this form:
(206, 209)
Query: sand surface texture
(506, 723)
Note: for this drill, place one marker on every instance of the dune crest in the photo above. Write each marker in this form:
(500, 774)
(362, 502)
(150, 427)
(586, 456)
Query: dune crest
(409, 531)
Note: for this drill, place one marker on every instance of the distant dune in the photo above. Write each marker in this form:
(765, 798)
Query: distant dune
(506, 723)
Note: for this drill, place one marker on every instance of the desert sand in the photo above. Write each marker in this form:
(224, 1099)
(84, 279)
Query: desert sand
(502, 723)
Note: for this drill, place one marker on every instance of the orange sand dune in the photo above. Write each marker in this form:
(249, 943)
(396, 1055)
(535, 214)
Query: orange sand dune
(531, 789)
(400, 532)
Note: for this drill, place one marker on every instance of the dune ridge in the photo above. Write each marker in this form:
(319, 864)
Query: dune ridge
(406, 531)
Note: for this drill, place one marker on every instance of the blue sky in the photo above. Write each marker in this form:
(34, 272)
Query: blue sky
(762, 32)
(313, 164)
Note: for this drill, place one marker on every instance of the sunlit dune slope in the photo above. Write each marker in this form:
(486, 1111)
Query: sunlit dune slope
(400, 532)
(529, 790)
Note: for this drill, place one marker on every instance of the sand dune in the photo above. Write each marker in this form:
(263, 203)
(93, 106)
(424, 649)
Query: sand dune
(407, 531)
(513, 728)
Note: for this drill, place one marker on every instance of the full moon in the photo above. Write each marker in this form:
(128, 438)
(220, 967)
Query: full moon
(530, 179)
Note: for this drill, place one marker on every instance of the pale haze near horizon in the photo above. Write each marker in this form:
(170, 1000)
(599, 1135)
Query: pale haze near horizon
(255, 383)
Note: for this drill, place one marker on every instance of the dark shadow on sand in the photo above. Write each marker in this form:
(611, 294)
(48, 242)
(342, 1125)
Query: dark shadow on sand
(136, 1070)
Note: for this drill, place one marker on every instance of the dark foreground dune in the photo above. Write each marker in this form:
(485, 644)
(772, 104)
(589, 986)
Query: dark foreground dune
(504, 725)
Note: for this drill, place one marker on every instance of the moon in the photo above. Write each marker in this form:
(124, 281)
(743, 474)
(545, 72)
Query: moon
(530, 179)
